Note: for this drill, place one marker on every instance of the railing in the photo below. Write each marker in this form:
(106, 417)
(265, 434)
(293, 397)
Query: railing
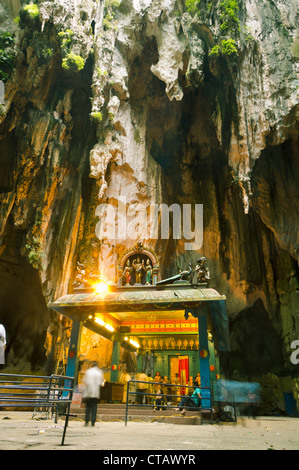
(215, 397)
(165, 399)
(53, 392)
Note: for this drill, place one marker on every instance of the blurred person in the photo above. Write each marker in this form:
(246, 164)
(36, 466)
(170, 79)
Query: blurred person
(159, 399)
(2, 344)
(157, 380)
(141, 388)
(124, 379)
(167, 391)
(93, 380)
(177, 381)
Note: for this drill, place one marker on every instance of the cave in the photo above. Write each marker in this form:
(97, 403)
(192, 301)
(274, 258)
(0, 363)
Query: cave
(256, 347)
(24, 310)
(178, 120)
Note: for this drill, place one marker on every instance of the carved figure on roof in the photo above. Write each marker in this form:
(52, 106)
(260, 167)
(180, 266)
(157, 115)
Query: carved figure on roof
(202, 271)
(85, 277)
(139, 268)
(149, 272)
(80, 280)
(127, 273)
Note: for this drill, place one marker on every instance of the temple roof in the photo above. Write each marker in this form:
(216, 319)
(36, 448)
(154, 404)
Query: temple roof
(140, 302)
(130, 299)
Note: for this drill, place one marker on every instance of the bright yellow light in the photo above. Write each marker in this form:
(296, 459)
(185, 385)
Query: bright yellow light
(134, 343)
(109, 327)
(101, 287)
(99, 321)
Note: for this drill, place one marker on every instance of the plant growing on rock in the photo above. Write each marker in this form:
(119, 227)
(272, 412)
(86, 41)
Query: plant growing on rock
(34, 254)
(66, 38)
(229, 28)
(7, 55)
(229, 16)
(192, 6)
(228, 47)
(109, 13)
(73, 62)
(32, 10)
(96, 116)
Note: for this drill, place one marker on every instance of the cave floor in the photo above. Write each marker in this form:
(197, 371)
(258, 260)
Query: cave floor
(18, 431)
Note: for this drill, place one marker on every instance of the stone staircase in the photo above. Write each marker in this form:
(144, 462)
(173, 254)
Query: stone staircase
(108, 412)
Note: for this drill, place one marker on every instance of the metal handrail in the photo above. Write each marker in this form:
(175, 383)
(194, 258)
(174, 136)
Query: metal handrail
(51, 392)
(170, 385)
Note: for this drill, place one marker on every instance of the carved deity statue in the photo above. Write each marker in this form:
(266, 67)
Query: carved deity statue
(139, 268)
(202, 271)
(80, 280)
(127, 273)
(149, 272)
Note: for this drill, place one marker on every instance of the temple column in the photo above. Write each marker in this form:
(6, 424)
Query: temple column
(204, 360)
(213, 364)
(115, 361)
(74, 349)
(139, 363)
(204, 354)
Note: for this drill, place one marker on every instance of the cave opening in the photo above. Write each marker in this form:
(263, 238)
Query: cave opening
(256, 346)
(23, 309)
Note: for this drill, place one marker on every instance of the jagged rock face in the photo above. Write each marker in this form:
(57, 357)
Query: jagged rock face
(153, 117)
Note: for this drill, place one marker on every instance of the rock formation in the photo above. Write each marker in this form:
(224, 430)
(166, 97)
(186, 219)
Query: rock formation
(145, 102)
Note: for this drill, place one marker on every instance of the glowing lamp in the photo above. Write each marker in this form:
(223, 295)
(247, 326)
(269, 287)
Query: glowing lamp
(212, 368)
(101, 287)
(134, 343)
(109, 327)
(99, 321)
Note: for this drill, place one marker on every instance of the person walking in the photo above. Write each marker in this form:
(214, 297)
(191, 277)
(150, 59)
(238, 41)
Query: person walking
(2, 344)
(93, 380)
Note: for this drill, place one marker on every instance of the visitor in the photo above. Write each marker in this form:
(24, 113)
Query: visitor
(167, 391)
(157, 380)
(2, 344)
(93, 380)
(187, 401)
(150, 389)
(159, 399)
(124, 379)
(177, 390)
(141, 387)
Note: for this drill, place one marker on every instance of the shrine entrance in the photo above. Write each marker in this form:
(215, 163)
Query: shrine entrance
(183, 325)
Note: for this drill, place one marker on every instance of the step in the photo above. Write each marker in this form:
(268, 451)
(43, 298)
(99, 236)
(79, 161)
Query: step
(133, 410)
(117, 412)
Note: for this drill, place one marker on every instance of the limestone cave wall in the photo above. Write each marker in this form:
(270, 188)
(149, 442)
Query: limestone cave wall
(154, 101)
